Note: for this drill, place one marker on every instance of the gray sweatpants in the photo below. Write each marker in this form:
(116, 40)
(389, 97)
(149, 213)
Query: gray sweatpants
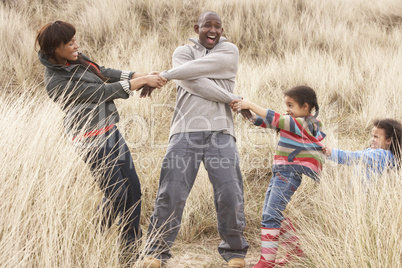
(185, 152)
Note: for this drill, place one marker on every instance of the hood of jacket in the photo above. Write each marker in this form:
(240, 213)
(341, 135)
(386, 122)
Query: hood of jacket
(46, 62)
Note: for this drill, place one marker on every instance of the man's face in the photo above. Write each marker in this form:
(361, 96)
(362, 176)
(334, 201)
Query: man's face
(209, 30)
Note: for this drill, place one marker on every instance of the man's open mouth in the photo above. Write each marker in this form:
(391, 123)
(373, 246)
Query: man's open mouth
(211, 39)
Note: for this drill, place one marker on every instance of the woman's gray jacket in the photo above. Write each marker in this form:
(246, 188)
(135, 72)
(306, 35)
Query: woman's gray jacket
(83, 96)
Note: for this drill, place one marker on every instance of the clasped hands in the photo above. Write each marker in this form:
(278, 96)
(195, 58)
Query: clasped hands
(153, 80)
(237, 106)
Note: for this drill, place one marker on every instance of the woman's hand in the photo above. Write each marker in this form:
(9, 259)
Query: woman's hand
(147, 83)
(155, 80)
(154, 73)
(148, 88)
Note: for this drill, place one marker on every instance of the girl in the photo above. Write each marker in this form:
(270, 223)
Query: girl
(85, 91)
(384, 153)
(298, 152)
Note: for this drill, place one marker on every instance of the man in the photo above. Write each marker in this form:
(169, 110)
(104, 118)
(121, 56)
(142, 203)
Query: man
(201, 130)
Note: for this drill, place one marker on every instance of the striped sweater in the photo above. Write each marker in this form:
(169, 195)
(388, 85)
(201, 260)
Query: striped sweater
(299, 148)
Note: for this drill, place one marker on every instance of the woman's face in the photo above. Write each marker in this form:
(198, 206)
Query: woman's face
(66, 52)
(379, 139)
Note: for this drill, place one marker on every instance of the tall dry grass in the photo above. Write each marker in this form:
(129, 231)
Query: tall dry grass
(348, 51)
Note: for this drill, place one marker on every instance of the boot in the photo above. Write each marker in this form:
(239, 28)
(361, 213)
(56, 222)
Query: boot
(290, 242)
(269, 247)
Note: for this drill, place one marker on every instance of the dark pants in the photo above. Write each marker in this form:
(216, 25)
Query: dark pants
(113, 168)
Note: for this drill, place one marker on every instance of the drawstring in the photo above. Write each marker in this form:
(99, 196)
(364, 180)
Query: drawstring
(293, 154)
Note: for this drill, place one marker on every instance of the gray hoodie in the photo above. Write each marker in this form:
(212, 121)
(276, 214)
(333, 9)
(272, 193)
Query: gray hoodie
(205, 84)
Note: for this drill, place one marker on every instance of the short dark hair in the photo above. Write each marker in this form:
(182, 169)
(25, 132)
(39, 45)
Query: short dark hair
(393, 131)
(203, 14)
(302, 95)
(53, 35)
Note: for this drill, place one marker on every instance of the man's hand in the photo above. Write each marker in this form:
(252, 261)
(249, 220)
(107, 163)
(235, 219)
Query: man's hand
(146, 91)
(247, 115)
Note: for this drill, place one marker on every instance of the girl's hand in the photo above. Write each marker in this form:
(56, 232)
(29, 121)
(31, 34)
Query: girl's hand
(327, 151)
(231, 105)
(238, 105)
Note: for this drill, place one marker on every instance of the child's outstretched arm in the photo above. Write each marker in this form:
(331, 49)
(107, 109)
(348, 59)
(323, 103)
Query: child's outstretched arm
(340, 156)
(238, 105)
(369, 157)
(270, 119)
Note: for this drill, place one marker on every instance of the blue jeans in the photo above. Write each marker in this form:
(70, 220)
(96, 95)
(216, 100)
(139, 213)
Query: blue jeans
(280, 190)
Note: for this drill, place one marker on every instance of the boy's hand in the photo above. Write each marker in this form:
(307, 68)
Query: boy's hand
(327, 151)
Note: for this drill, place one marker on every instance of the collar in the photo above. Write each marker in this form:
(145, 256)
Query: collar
(201, 47)
(45, 61)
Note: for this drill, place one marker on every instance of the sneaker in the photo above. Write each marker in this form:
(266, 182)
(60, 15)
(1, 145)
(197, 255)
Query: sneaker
(237, 263)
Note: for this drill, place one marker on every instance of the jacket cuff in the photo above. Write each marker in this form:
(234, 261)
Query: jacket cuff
(127, 87)
(166, 75)
(126, 75)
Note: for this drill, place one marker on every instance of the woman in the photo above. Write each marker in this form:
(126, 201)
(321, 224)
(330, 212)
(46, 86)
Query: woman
(85, 91)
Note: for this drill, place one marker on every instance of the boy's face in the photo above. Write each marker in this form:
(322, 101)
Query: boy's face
(379, 139)
(294, 109)
(209, 30)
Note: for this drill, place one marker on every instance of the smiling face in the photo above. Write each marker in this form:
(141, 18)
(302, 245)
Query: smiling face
(379, 139)
(294, 109)
(66, 52)
(209, 29)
